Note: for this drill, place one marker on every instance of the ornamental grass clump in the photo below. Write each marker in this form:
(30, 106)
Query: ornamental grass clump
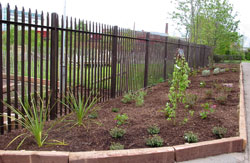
(33, 119)
(81, 108)
(178, 88)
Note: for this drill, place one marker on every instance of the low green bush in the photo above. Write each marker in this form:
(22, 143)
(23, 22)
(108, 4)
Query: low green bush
(117, 132)
(116, 146)
(154, 141)
(190, 137)
(219, 132)
(154, 129)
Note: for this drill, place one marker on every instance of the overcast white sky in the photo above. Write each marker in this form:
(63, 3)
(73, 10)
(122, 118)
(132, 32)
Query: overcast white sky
(148, 15)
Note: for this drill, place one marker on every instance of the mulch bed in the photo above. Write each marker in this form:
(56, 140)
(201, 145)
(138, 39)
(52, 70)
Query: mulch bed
(97, 137)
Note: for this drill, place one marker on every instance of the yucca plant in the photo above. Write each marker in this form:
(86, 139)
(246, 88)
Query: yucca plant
(80, 107)
(33, 119)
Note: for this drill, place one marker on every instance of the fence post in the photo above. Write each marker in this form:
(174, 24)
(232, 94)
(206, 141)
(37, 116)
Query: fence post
(165, 59)
(179, 43)
(146, 61)
(53, 66)
(188, 52)
(204, 56)
(114, 61)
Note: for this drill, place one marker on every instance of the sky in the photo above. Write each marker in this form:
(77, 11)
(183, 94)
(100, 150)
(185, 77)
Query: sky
(147, 15)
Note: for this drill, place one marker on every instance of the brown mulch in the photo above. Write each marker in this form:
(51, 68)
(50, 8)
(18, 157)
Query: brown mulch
(97, 137)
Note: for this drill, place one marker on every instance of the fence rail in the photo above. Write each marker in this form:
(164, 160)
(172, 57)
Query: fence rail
(42, 55)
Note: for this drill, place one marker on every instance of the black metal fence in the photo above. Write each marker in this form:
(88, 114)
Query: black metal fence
(44, 56)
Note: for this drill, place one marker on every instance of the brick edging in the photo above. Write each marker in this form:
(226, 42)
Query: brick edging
(144, 155)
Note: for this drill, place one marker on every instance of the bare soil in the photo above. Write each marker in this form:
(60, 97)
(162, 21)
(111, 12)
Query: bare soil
(97, 137)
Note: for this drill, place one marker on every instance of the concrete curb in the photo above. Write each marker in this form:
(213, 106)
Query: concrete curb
(146, 155)
(242, 114)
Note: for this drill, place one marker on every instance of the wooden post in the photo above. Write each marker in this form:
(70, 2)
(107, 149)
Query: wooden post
(165, 59)
(146, 61)
(114, 62)
(53, 66)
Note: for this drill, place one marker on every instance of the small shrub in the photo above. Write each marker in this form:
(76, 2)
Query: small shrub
(115, 110)
(117, 132)
(222, 70)
(161, 80)
(191, 99)
(206, 110)
(190, 137)
(216, 71)
(193, 73)
(221, 99)
(191, 112)
(139, 98)
(93, 115)
(121, 119)
(116, 146)
(227, 89)
(154, 141)
(127, 98)
(184, 121)
(218, 87)
(154, 129)
(202, 84)
(208, 93)
(219, 132)
(205, 73)
(234, 70)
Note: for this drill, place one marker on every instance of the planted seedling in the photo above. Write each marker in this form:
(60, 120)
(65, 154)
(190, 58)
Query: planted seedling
(116, 146)
(117, 132)
(222, 99)
(206, 110)
(191, 100)
(154, 141)
(216, 71)
(121, 119)
(154, 129)
(128, 98)
(219, 132)
(93, 115)
(202, 84)
(190, 137)
(205, 73)
(115, 110)
(208, 93)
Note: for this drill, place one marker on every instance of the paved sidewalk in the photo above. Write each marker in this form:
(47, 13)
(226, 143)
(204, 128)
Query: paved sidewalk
(235, 157)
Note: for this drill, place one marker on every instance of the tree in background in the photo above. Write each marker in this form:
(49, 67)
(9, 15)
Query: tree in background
(209, 22)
